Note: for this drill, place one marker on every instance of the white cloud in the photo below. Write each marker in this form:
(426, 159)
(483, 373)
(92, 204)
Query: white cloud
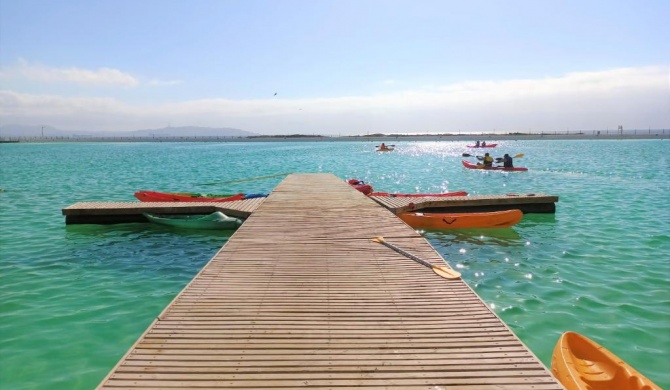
(632, 97)
(40, 73)
(161, 83)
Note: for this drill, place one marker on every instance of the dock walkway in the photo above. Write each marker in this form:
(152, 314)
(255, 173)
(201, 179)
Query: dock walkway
(301, 297)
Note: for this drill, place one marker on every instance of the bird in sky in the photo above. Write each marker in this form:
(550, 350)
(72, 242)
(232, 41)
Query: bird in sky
(275, 93)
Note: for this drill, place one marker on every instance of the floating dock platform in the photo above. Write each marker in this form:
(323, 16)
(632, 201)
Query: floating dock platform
(301, 297)
(126, 212)
(528, 203)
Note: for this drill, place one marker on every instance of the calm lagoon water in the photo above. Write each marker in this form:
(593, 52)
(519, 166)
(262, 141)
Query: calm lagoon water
(73, 299)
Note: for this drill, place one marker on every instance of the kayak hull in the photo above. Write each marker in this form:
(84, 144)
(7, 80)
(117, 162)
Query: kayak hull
(580, 363)
(214, 221)
(439, 195)
(470, 165)
(385, 150)
(155, 196)
(438, 221)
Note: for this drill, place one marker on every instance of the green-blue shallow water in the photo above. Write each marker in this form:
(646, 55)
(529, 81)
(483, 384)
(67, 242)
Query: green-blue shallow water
(75, 298)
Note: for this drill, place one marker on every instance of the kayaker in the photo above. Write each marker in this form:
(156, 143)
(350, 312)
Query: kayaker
(488, 160)
(507, 161)
(477, 144)
(483, 144)
(382, 146)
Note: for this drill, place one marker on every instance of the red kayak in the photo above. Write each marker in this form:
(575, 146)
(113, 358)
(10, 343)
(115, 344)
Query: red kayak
(470, 165)
(485, 146)
(360, 186)
(154, 196)
(443, 194)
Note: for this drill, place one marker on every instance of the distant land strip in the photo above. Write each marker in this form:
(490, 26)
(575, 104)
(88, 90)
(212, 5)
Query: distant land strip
(376, 137)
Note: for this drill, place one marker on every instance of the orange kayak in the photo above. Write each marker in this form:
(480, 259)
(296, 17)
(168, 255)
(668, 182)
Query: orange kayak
(495, 219)
(580, 363)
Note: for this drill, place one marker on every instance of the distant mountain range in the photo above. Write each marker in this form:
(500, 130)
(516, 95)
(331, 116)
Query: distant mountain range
(15, 130)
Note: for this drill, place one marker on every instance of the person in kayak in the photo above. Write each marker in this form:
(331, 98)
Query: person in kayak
(507, 161)
(483, 144)
(488, 160)
(382, 146)
(477, 144)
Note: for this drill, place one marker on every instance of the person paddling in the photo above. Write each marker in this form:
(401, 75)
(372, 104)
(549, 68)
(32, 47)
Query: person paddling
(507, 161)
(488, 160)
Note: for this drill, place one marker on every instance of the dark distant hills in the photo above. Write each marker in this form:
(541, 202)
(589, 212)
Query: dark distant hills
(15, 130)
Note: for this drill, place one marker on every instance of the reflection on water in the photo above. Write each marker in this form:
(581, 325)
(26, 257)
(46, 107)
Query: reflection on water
(500, 237)
(139, 230)
(537, 219)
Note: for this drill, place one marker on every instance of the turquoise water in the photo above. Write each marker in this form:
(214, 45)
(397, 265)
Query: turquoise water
(75, 298)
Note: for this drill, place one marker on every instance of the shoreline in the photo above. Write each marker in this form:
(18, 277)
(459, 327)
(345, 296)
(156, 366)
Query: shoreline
(490, 138)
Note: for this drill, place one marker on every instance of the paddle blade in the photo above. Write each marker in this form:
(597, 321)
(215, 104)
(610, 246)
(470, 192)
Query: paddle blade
(519, 155)
(378, 239)
(446, 273)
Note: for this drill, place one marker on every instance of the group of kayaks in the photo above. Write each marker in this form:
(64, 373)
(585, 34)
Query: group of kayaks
(467, 164)
(439, 221)
(216, 220)
(578, 362)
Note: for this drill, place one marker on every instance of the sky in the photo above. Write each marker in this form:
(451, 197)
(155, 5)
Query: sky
(336, 67)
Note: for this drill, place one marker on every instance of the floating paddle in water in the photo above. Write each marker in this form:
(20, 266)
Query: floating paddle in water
(446, 273)
(242, 180)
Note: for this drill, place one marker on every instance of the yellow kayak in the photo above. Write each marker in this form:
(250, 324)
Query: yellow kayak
(495, 219)
(580, 363)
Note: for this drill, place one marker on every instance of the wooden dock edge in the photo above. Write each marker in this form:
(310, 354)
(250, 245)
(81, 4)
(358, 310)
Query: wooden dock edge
(527, 203)
(106, 213)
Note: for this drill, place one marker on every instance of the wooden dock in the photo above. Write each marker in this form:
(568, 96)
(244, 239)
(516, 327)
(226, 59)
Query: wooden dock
(300, 297)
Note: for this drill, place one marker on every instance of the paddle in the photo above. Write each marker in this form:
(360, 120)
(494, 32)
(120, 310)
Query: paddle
(481, 157)
(446, 273)
(241, 180)
(393, 146)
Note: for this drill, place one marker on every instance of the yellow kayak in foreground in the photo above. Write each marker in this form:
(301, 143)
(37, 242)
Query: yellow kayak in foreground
(580, 363)
(495, 219)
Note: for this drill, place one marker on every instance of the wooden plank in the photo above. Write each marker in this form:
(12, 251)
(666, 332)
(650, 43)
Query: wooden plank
(301, 297)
